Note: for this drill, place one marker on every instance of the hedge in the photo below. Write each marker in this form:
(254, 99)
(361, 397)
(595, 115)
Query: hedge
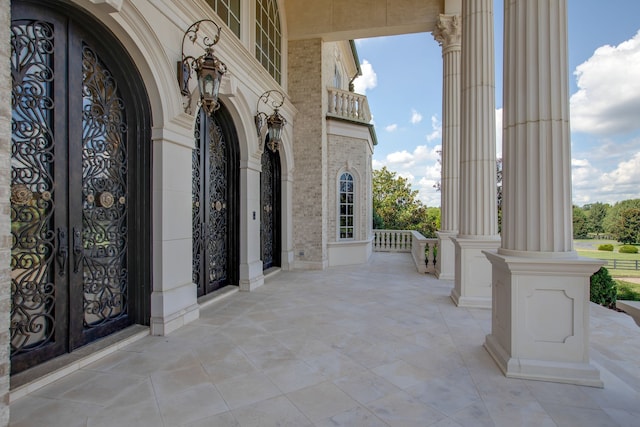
(603, 288)
(628, 249)
(606, 247)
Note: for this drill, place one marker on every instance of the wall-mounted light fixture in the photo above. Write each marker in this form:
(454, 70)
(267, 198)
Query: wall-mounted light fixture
(209, 69)
(275, 122)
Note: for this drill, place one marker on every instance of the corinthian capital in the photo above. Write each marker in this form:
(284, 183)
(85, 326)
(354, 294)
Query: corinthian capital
(448, 30)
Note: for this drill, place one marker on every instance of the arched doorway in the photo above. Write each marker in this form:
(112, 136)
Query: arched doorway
(80, 184)
(215, 202)
(270, 213)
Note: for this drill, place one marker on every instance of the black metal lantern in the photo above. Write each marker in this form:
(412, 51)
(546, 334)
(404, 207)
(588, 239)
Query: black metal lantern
(275, 122)
(209, 69)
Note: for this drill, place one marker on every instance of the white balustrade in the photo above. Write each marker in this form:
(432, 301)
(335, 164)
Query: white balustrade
(423, 250)
(348, 105)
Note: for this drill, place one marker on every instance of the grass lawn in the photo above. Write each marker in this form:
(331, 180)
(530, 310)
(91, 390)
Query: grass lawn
(626, 290)
(589, 248)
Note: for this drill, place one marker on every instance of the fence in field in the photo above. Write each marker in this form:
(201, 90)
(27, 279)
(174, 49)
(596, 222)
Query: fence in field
(622, 264)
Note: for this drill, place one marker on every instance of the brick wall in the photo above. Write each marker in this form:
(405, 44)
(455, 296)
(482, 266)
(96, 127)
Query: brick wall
(307, 92)
(5, 219)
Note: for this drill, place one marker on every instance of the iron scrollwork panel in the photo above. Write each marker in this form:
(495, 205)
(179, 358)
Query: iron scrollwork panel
(198, 225)
(218, 218)
(267, 224)
(33, 246)
(103, 245)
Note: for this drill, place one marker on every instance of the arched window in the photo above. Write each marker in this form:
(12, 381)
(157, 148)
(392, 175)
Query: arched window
(268, 37)
(229, 11)
(346, 206)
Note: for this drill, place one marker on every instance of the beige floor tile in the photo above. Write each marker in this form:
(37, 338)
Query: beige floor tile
(277, 411)
(401, 374)
(322, 401)
(247, 389)
(356, 417)
(365, 387)
(402, 410)
(191, 405)
(225, 419)
(294, 375)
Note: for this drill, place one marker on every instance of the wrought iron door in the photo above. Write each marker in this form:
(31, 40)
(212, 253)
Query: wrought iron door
(70, 194)
(214, 203)
(270, 213)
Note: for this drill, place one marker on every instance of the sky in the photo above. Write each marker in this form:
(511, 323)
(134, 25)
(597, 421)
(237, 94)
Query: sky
(402, 78)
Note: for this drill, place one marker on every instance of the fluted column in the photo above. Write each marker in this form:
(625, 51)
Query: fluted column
(448, 34)
(478, 205)
(540, 314)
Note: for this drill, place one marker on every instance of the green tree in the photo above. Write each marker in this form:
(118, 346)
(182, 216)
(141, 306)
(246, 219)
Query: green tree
(396, 206)
(596, 214)
(628, 228)
(612, 220)
(580, 225)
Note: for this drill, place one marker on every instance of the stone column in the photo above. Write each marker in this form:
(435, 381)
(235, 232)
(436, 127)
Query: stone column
(448, 35)
(540, 314)
(478, 205)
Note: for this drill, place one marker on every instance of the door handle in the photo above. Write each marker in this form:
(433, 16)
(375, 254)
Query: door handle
(77, 249)
(63, 250)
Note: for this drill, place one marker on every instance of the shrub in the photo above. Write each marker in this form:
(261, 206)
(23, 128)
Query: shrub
(603, 288)
(628, 249)
(627, 293)
(606, 247)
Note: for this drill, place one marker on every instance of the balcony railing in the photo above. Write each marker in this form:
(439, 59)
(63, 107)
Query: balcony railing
(348, 105)
(421, 248)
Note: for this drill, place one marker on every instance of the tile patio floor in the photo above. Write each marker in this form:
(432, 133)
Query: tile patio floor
(372, 345)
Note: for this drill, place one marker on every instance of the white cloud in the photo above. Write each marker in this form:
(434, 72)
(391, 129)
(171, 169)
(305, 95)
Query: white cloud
(368, 79)
(391, 128)
(416, 117)
(591, 184)
(420, 168)
(608, 98)
(436, 125)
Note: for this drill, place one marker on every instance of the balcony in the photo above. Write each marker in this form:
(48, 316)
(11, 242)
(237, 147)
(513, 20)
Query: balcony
(379, 344)
(348, 106)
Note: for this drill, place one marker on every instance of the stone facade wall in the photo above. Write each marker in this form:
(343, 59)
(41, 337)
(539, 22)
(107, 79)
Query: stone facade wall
(5, 218)
(307, 92)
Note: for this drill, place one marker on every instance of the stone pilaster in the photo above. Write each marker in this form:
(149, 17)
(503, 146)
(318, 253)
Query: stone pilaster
(448, 34)
(540, 314)
(478, 228)
(5, 218)
(307, 93)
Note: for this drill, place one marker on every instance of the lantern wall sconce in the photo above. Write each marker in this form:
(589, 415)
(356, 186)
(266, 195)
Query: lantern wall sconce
(208, 68)
(275, 122)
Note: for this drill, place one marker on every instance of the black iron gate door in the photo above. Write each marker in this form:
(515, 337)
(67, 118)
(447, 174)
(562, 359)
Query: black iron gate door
(70, 224)
(270, 214)
(214, 203)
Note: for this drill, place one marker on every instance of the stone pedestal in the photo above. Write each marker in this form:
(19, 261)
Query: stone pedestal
(446, 261)
(540, 318)
(472, 286)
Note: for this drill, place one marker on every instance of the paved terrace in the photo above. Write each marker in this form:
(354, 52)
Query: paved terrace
(371, 345)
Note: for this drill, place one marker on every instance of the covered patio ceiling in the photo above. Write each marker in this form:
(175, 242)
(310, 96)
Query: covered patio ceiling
(334, 20)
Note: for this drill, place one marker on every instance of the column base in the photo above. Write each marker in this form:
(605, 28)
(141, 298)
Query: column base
(542, 370)
(173, 308)
(472, 285)
(446, 261)
(251, 276)
(540, 318)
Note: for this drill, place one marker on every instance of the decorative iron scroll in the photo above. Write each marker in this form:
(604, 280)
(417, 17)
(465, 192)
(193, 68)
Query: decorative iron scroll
(104, 177)
(196, 215)
(268, 201)
(217, 247)
(32, 201)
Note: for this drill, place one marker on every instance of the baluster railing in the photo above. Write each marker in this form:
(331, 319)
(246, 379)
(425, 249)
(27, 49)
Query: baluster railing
(423, 250)
(348, 105)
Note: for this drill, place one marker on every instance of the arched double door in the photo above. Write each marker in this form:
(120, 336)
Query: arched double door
(80, 184)
(215, 202)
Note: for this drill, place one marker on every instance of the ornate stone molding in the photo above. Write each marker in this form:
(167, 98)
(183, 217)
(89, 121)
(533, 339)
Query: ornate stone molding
(448, 31)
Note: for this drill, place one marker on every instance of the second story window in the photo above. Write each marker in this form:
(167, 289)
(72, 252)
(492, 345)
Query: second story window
(229, 11)
(269, 37)
(346, 206)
